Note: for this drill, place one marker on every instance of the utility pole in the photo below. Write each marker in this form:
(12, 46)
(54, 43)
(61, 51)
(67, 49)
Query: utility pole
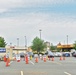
(18, 42)
(25, 42)
(67, 39)
(40, 33)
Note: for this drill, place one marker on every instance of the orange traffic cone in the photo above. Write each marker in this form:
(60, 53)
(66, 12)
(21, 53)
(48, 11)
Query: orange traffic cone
(61, 58)
(8, 62)
(52, 58)
(49, 58)
(36, 59)
(26, 59)
(14, 58)
(44, 59)
(5, 59)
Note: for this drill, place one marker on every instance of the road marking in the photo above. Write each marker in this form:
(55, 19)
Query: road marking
(11, 62)
(32, 62)
(67, 73)
(55, 62)
(21, 72)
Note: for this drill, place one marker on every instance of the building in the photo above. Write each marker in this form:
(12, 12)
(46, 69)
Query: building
(47, 45)
(65, 47)
(13, 50)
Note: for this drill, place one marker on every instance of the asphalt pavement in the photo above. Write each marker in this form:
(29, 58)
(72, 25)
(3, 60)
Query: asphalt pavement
(55, 67)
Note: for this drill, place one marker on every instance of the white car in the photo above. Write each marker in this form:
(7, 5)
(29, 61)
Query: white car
(57, 54)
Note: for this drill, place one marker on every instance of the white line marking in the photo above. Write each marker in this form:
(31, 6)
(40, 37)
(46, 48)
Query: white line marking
(11, 62)
(32, 62)
(55, 62)
(21, 72)
(67, 73)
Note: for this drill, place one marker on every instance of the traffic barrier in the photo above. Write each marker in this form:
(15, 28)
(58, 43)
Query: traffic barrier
(36, 59)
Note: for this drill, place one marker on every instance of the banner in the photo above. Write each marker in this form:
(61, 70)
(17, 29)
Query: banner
(2, 50)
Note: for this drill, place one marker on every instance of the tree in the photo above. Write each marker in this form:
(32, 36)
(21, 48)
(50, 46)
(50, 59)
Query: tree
(2, 42)
(38, 45)
(52, 47)
(75, 45)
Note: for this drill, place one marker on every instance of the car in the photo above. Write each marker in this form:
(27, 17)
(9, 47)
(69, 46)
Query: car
(22, 55)
(57, 54)
(74, 55)
(50, 54)
(66, 54)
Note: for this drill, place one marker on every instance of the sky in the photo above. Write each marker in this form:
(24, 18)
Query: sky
(55, 18)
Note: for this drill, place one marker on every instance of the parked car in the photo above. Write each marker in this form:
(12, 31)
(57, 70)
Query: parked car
(22, 55)
(66, 54)
(50, 54)
(74, 55)
(57, 54)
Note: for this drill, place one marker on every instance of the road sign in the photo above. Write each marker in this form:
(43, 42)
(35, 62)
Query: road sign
(2, 50)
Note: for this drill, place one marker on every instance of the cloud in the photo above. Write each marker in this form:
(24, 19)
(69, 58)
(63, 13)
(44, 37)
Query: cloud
(54, 27)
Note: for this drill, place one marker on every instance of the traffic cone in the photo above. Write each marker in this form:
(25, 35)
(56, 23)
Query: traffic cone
(5, 59)
(8, 62)
(49, 58)
(14, 58)
(61, 58)
(36, 59)
(52, 58)
(26, 59)
(44, 59)
(41, 58)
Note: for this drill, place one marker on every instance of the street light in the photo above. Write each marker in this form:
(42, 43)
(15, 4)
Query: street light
(17, 41)
(40, 33)
(25, 42)
(67, 39)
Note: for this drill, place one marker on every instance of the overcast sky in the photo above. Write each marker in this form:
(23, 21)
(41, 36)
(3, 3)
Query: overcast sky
(20, 18)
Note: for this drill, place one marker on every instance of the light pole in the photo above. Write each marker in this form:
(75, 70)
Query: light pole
(17, 41)
(40, 33)
(67, 39)
(25, 42)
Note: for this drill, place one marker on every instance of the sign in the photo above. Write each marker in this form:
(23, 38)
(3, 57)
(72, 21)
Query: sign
(2, 50)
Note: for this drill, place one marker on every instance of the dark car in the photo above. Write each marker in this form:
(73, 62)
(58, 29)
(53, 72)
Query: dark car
(74, 54)
(50, 54)
(22, 55)
(66, 54)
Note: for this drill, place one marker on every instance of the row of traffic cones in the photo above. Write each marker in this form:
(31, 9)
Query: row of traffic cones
(62, 58)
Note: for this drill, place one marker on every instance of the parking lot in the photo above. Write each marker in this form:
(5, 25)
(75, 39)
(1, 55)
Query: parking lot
(56, 67)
